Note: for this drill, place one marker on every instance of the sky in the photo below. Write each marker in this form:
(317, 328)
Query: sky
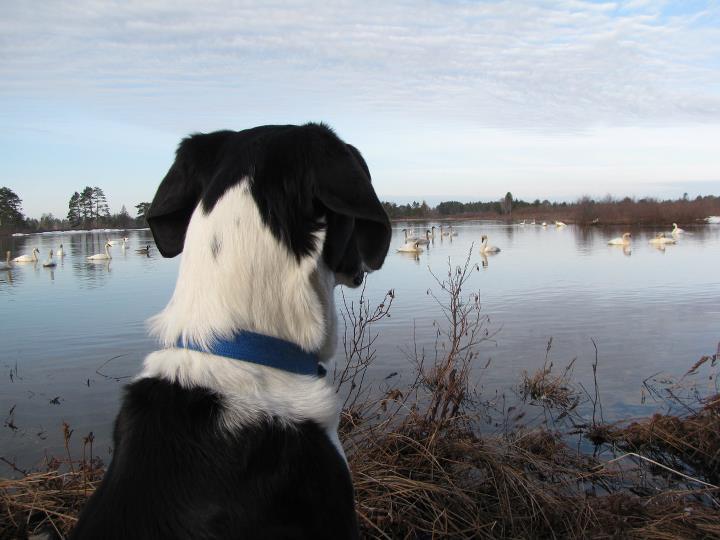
(445, 99)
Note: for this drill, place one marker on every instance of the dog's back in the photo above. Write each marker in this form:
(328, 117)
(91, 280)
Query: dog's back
(230, 431)
(175, 474)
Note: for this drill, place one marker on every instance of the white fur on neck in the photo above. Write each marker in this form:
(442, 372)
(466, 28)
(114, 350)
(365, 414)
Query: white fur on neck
(255, 283)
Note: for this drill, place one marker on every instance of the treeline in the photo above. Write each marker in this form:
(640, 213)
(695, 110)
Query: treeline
(586, 210)
(453, 208)
(87, 209)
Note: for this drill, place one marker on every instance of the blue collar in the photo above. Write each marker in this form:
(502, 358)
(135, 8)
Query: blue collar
(263, 350)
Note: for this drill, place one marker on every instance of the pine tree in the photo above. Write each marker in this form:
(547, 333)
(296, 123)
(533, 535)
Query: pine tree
(74, 216)
(123, 218)
(142, 209)
(87, 206)
(100, 205)
(10, 208)
(506, 203)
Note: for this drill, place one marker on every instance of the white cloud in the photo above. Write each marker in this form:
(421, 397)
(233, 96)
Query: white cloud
(559, 65)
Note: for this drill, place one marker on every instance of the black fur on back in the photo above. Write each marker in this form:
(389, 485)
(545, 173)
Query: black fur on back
(177, 474)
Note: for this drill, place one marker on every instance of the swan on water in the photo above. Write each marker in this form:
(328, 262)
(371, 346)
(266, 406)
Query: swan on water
(410, 236)
(661, 239)
(623, 240)
(677, 230)
(6, 265)
(60, 253)
(101, 256)
(28, 258)
(424, 241)
(484, 248)
(410, 247)
(118, 241)
(560, 224)
(49, 262)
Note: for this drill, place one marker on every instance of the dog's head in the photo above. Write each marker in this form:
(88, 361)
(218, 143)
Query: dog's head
(303, 179)
(269, 220)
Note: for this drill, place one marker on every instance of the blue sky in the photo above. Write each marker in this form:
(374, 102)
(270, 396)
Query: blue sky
(464, 100)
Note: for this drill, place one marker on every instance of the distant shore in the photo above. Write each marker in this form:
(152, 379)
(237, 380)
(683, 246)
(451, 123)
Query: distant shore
(585, 211)
(709, 220)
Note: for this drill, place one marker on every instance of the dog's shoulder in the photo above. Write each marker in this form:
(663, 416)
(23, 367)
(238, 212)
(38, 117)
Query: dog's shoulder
(178, 473)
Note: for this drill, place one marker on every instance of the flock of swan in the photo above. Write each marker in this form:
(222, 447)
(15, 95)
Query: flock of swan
(50, 262)
(414, 242)
(660, 240)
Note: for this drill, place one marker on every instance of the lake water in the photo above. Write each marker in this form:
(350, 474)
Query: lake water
(73, 335)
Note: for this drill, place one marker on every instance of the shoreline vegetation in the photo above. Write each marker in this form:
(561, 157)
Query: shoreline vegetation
(436, 458)
(584, 211)
(89, 209)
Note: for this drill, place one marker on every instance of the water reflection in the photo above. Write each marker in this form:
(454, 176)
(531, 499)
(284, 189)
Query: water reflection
(415, 256)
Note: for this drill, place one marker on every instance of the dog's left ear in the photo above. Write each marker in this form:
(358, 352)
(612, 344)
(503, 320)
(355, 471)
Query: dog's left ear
(343, 185)
(180, 191)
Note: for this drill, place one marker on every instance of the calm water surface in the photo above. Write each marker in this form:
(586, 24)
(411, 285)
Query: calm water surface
(72, 336)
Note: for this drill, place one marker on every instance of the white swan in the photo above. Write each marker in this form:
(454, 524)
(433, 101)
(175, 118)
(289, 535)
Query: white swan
(522, 223)
(410, 247)
(450, 232)
(101, 256)
(623, 240)
(560, 224)
(544, 224)
(424, 241)
(6, 265)
(677, 230)
(484, 248)
(60, 253)
(533, 222)
(49, 263)
(410, 236)
(661, 239)
(122, 240)
(28, 258)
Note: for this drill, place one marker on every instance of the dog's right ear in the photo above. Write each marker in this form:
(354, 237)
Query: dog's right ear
(181, 189)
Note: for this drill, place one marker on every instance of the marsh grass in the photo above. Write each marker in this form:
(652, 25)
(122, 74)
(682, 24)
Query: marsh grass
(437, 459)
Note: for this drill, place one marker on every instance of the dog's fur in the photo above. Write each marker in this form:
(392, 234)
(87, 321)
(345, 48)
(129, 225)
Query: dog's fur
(270, 219)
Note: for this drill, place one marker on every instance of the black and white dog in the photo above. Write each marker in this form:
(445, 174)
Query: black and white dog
(230, 431)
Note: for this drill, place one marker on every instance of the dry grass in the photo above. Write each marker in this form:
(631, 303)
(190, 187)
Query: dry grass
(50, 500)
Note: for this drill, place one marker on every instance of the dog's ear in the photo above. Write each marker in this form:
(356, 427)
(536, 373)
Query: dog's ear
(360, 227)
(181, 189)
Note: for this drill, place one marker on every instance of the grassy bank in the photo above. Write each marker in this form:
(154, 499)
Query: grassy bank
(437, 458)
